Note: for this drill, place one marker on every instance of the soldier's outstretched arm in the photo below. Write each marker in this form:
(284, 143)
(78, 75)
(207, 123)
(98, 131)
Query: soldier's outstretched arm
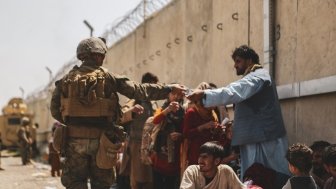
(146, 91)
(55, 103)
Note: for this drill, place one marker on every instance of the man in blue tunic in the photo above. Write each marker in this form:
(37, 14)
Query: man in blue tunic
(258, 125)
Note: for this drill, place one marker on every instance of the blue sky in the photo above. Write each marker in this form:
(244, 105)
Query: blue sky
(35, 34)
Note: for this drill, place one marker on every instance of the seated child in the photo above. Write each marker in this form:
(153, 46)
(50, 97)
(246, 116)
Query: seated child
(329, 162)
(299, 157)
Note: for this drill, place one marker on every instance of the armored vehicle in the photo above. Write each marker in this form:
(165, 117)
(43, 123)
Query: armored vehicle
(10, 121)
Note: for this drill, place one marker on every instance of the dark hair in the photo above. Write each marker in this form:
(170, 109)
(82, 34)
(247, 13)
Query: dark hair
(213, 86)
(300, 156)
(319, 145)
(329, 155)
(212, 148)
(149, 78)
(246, 53)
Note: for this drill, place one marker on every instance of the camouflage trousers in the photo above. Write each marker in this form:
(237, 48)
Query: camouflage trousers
(80, 165)
(25, 154)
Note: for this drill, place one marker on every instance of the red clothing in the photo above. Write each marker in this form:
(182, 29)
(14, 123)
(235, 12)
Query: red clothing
(54, 160)
(192, 120)
(158, 116)
(160, 162)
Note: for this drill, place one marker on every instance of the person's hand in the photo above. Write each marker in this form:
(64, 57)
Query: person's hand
(138, 109)
(196, 96)
(173, 107)
(208, 125)
(203, 86)
(175, 136)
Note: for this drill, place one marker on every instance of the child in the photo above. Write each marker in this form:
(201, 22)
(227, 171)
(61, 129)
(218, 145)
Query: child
(231, 153)
(329, 163)
(299, 157)
(54, 156)
(166, 159)
(319, 174)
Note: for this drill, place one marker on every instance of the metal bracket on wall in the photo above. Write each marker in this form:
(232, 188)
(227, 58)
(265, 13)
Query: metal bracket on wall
(177, 41)
(220, 26)
(205, 28)
(190, 38)
(235, 16)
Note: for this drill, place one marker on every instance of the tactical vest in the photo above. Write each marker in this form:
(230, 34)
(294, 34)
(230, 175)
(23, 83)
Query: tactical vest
(87, 94)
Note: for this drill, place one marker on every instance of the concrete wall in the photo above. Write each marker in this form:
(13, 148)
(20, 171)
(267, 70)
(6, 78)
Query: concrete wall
(192, 41)
(305, 50)
(189, 39)
(41, 112)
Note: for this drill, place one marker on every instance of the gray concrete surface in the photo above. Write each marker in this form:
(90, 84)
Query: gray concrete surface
(35, 175)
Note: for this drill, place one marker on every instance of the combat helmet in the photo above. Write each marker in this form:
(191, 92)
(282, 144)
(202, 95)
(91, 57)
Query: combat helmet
(90, 45)
(25, 121)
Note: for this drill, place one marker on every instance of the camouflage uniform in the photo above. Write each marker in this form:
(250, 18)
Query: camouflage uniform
(83, 142)
(1, 169)
(24, 141)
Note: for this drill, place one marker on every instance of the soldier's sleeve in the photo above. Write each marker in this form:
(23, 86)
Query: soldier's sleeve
(55, 103)
(134, 90)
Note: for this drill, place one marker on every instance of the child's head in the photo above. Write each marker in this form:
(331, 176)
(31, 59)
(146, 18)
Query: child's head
(318, 149)
(299, 157)
(174, 97)
(329, 159)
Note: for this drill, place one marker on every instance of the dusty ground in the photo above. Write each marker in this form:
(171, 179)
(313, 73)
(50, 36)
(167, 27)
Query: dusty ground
(34, 176)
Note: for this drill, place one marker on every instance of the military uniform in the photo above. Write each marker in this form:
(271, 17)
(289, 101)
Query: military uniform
(24, 141)
(91, 111)
(1, 169)
(33, 134)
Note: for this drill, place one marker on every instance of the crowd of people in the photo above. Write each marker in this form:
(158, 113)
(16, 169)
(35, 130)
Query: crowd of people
(256, 149)
(189, 142)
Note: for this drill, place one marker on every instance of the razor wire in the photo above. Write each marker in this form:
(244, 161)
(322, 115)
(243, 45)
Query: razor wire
(120, 29)
(114, 32)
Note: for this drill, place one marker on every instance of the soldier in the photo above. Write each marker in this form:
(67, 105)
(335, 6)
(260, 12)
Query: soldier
(24, 141)
(86, 101)
(1, 169)
(33, 132)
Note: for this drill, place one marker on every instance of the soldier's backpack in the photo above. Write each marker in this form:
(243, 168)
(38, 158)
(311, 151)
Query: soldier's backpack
(84, 94)
(149, 134)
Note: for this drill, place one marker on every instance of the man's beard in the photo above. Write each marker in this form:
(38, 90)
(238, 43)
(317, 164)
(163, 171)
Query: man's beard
(239, 72)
